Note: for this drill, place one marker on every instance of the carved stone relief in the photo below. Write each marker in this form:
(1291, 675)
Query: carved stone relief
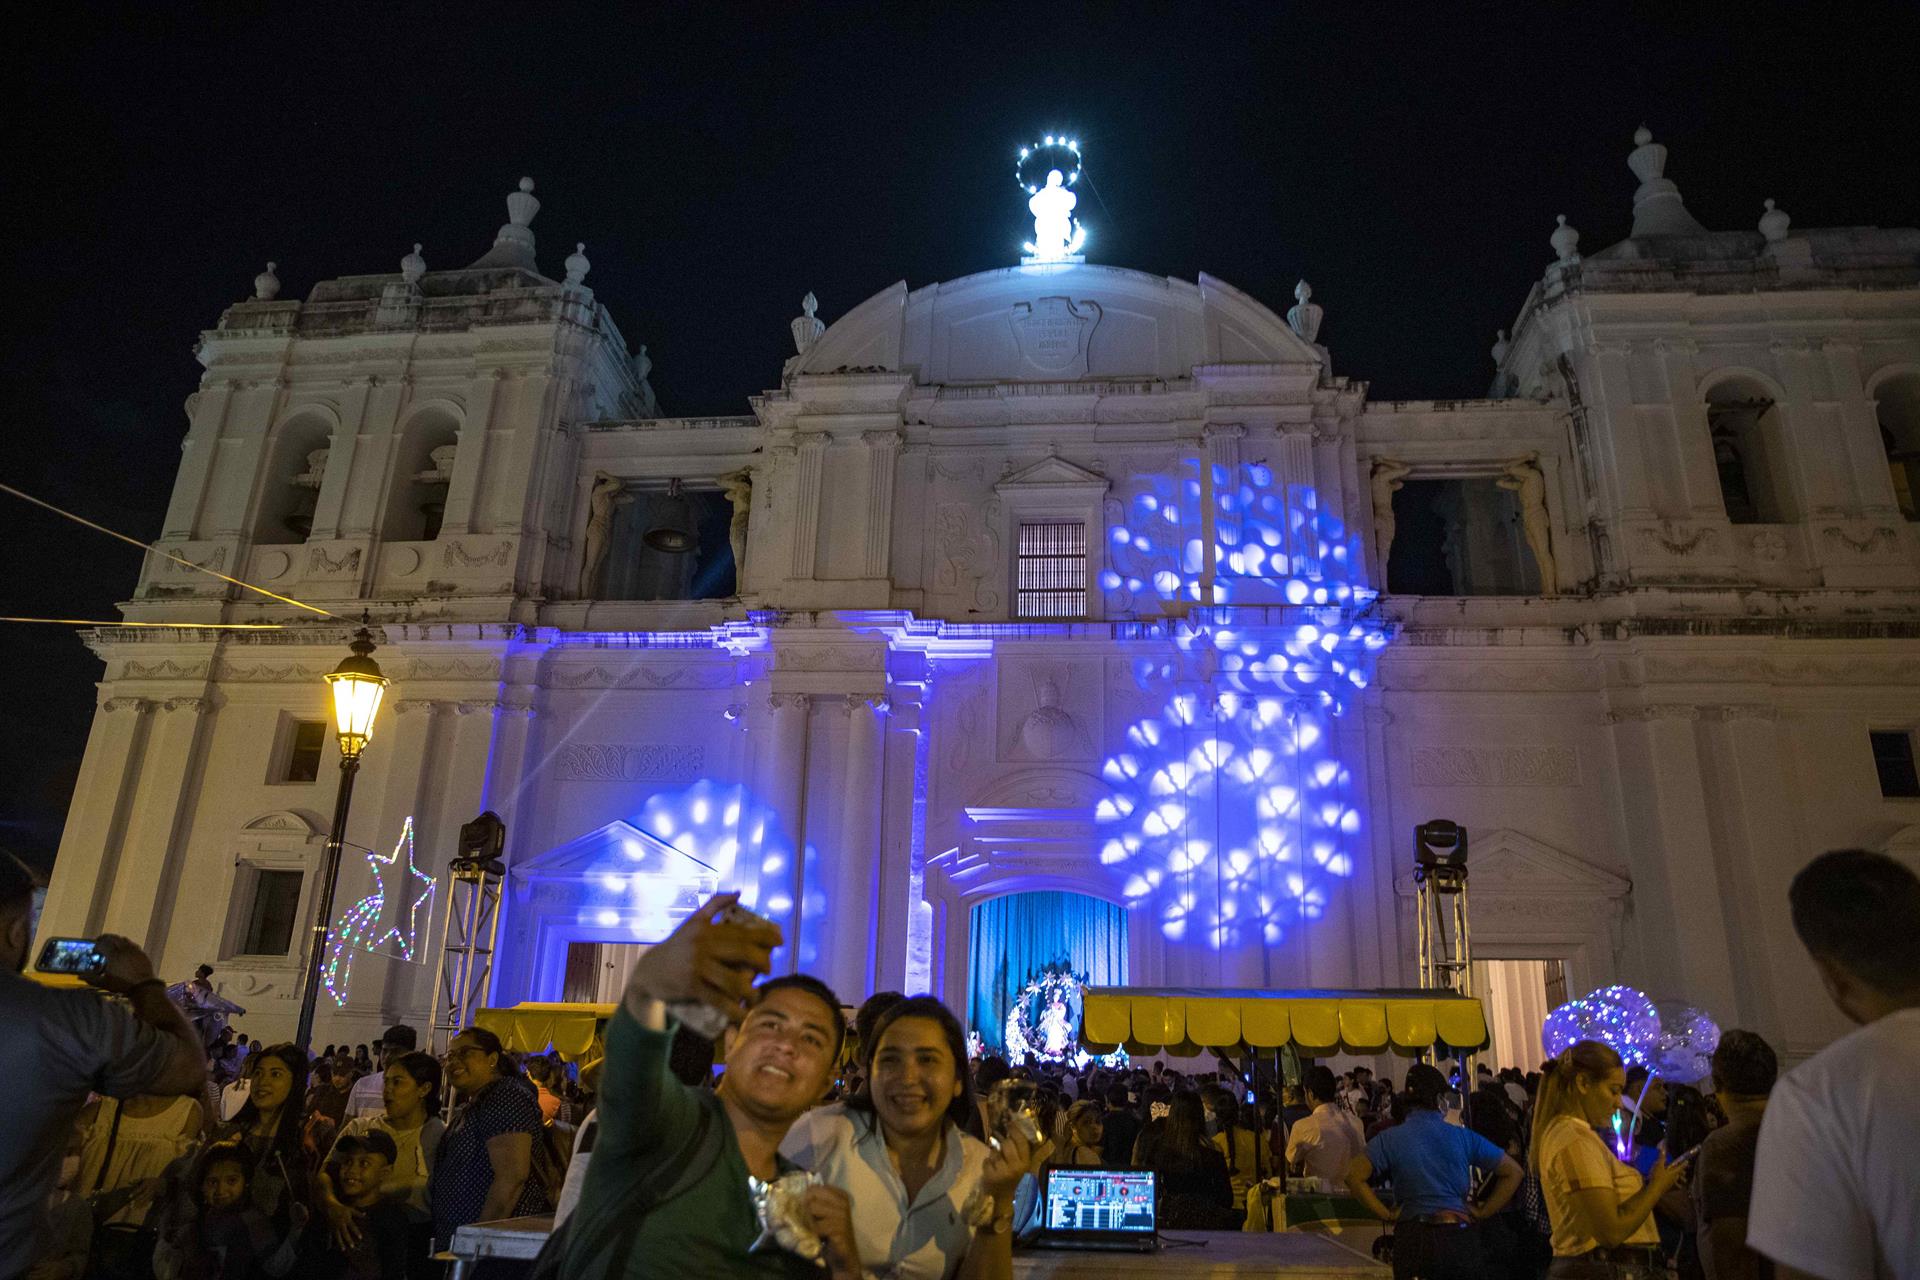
(620, 762)
(967, 546)
(1514, 766)
(1048, 711)
(318, 561)
(457, 556)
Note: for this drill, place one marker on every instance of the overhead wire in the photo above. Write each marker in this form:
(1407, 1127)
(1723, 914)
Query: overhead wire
(180, 560)
(184, 626)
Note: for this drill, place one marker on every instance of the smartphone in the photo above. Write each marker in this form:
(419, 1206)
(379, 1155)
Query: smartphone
(78, 957)
(1686, 1155)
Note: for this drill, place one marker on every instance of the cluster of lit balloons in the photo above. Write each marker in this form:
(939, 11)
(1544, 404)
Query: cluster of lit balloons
(1672, 1039)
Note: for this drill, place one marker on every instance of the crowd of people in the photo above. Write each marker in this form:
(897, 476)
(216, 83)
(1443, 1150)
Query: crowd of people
(158, 1141)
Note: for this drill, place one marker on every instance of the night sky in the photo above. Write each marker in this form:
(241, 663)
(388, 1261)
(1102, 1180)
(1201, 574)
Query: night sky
(719, 161)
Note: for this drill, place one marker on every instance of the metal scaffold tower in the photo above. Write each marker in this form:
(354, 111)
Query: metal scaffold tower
(1440, 884)
(472, 929)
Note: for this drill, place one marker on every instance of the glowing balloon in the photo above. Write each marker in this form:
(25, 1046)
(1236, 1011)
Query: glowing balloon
(1619, 1017)
(1683, 1051)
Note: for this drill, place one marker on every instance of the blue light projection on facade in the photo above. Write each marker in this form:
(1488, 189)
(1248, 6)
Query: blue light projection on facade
(1232, 819)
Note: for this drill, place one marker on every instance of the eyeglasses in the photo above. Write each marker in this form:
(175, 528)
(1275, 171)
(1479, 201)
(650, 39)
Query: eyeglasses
(467, 1051)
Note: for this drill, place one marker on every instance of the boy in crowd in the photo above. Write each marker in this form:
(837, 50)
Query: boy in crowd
(360, 1164)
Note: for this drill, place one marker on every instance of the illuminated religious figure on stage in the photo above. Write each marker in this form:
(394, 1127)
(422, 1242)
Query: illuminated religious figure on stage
(1056, 1037)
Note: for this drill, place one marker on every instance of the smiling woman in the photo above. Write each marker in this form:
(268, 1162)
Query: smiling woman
(925, 1187)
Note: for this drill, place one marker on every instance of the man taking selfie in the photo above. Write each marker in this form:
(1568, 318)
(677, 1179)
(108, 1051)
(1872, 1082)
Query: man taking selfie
(676, 1183)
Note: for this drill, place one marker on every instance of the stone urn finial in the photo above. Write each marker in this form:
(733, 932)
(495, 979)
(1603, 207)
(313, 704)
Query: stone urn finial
(577, 264)
(1774, 223)
(413, 266)
(1565, 240)
(266, 285)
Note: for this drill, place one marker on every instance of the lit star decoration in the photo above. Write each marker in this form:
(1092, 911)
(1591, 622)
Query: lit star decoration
(1231, 810)
(358, 928)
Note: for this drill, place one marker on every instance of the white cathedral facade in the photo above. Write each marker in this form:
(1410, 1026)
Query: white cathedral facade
(1056, 579)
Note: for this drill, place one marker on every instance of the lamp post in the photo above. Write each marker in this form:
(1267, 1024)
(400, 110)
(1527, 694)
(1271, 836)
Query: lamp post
(357, 688)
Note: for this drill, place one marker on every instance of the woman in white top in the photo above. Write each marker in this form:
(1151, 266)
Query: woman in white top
(410, 1088)
(153, 1132)
(931, 1202)
(1602, 1214)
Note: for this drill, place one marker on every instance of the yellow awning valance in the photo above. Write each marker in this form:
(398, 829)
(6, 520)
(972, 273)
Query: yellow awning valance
(570, 1029)
(1185, 1020)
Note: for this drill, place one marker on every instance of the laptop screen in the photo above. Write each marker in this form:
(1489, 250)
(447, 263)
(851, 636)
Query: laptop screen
(1100, 1200)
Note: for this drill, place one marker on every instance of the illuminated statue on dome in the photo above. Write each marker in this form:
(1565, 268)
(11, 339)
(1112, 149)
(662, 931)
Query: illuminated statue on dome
(1054, 235)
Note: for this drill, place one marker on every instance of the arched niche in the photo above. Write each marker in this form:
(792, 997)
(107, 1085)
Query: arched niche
(289, 490)
(1897, 412)
(1749, 448)
(421, 467)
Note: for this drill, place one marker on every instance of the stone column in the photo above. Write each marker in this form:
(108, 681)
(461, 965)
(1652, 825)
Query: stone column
(806, 504)
(473, 438)
(853, 900)
(1680, 925)
(783, 788)
(197, 455)
(330, 503)
(883, 449)
(1223, 476)
(1295, 473)
(138, 905)
(84, 871)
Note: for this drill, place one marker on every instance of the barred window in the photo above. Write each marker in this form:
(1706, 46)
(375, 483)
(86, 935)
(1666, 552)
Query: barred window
(1051, 571)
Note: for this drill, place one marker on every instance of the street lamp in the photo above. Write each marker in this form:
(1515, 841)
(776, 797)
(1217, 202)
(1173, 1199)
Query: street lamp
(357, 688)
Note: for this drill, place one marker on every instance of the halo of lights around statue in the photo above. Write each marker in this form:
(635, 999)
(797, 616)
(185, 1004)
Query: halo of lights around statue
(1046, 171)
(359, 927)
(1054, 1037)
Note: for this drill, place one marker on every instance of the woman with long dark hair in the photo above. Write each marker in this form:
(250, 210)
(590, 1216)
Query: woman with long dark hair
(1194, 1190)
(269, 1124)
(934, 1202)
(484, 1168)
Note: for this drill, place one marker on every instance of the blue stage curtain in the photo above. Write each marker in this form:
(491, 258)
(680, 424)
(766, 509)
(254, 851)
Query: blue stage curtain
(1014, 939)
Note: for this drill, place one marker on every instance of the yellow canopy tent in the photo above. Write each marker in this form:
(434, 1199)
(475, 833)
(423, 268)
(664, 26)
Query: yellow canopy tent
(577, 1032)
(1183, 1021)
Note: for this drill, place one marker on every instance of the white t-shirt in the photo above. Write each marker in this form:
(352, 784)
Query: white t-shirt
(1325, 1143)
(925, 1240)
(1836, 1182)
(366, 1098)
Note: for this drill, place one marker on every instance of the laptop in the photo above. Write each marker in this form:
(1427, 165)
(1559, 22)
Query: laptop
(1096, 1209)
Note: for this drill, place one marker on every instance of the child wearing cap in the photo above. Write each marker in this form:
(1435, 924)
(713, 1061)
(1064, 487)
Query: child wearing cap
(358, 1171)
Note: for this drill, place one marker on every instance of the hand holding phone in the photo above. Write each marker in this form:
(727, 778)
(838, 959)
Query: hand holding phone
(76, 957)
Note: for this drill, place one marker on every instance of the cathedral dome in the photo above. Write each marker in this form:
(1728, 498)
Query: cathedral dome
(1055, 322)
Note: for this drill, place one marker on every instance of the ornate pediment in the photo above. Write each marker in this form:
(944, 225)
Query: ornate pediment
(1506, 863)
(283, 822)
(1031, 792)
(1054, 475)
(619, 848)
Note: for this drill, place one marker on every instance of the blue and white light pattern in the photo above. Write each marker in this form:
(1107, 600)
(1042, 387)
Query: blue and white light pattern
(1620, 1017)
(1232, 815)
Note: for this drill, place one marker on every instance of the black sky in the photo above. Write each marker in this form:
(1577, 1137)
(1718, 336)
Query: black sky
(721, 160)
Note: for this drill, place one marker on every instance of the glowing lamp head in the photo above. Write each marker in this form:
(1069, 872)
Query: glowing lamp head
(357, 687)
